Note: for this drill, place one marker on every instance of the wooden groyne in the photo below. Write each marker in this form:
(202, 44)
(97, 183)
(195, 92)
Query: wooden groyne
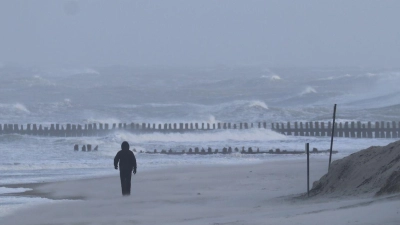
(100, 129)
(229, 150)
(353, 129)
(319, 129)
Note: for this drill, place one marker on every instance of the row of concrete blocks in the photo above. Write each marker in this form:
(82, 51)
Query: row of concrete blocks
(353, 129)
(73, 130)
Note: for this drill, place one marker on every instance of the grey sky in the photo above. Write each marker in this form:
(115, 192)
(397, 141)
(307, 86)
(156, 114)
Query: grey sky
(203, 32)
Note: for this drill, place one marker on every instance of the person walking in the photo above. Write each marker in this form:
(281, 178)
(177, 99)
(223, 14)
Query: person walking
(127, 166)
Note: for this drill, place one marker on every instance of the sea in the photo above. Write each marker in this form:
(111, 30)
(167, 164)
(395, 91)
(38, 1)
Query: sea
(162, 94)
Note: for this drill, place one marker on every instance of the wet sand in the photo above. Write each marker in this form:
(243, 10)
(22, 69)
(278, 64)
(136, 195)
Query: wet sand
(266, 193)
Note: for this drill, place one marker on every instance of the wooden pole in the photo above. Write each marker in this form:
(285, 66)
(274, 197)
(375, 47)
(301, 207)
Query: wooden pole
(308, 168)
(333, 132)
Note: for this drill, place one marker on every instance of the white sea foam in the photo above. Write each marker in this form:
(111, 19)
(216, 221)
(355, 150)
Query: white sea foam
(220, 136)
(38, 80)
(308, 90)
(211, 119)
(110, 120)
(273, 77)
(90, 71)
(20, 107)
(336, 77)
(258, 104)
(4, 190)
(163, 104)
(87, 70)
(15, 108)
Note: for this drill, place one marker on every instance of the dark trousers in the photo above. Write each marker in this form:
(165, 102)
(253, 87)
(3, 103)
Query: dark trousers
(125, 176)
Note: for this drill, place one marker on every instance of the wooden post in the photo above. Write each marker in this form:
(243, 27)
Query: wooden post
(364, 131)
(340, 130)
(394, 130)
(382, 129)
(346, 129)
(352, 130)
(312, 131)
(79, 131)
(307, 130)
(288, 129)
(358, 131)
(308, 168)
(301, 129)
(265, 125)
(369, 129)
(323, 129)
(396, 127)
(329, 128)
(28, 129)
(388, 130)
(317, 129)
(68, 130)
(377, 130)
(296, 129)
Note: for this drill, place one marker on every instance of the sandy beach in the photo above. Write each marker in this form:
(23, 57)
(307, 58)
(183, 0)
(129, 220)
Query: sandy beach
(267, 193)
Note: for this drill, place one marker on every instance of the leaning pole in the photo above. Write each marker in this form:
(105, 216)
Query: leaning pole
(333, 131)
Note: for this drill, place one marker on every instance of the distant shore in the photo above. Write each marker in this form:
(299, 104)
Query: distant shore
(264, 193)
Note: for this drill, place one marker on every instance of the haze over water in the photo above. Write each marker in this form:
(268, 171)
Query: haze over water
(189, 61)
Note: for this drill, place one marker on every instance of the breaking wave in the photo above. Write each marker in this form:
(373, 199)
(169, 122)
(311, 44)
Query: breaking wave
(258, 104)
(308, 90)
(196, 137)
(14, 108)
(37, 80)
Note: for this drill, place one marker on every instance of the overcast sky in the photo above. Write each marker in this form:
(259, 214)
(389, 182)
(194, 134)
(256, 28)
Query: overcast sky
(200, 33)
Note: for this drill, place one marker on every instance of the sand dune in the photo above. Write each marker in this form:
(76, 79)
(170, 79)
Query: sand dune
(372, 171)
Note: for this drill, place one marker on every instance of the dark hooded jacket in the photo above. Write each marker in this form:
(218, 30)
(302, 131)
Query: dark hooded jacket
(126, 159)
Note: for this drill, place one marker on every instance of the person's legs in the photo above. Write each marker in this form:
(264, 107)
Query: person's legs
(123, 181)
(126, 176)
(128, 182)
